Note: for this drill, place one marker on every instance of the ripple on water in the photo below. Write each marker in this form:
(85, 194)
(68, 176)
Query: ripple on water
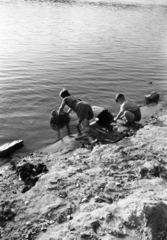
(95, 50)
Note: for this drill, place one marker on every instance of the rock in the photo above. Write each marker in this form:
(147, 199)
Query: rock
(103, 198)
(30, 173)
(84, 200)
(8, 148)
(152, 169)
(26, 203)
(88, 236)
(156, 221)
(95, 225)
(2, 220)
(152, 97)
(63, 194)
(6, 214)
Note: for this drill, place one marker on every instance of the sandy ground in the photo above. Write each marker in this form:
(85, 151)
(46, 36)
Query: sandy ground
(107, 192)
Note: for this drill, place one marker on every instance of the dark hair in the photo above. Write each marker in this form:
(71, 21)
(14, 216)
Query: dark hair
(64, 93)
(119, 96)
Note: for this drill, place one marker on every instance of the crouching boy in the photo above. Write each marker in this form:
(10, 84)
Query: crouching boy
(128, 109)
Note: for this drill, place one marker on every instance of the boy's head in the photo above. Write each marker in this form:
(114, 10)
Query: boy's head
(64, 93)
(119, 98)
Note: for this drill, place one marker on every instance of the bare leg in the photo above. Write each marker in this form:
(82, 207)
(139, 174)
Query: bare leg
(58, 132)
(85, 124)
(68, 129)
(88, 129)
(78, 129)
(129, 116)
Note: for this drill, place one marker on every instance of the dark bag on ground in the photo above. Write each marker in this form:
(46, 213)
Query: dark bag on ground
(105, 119)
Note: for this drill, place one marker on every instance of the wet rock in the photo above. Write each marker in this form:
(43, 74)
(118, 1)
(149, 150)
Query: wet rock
(152, 97)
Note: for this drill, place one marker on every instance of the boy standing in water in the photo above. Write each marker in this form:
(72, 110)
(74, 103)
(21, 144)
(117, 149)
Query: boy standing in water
(82, 109)
(128, 109)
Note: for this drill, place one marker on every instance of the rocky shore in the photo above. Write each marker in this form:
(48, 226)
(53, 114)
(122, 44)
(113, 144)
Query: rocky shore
(108, 192)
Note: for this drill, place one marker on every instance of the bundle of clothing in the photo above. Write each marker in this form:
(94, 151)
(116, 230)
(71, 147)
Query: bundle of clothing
(59, 121)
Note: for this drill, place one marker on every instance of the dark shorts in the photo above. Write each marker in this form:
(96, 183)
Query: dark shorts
(137, 114)
(84, 111)
(105, 118)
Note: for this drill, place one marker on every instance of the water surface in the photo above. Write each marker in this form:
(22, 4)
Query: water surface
(94, 48)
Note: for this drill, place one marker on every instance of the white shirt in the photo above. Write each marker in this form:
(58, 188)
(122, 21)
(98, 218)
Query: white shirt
(97, 110)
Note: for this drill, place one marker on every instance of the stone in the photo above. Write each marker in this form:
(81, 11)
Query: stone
(152, 97)
(95, 225)
(6, 214)
(29, 173)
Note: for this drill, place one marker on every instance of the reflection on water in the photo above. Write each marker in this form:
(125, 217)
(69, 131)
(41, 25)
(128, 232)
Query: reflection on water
(94, 48)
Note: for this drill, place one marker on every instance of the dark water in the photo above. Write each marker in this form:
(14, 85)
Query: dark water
(93, 48)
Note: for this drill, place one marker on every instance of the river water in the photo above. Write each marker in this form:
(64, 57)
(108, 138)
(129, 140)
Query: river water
(95, 48)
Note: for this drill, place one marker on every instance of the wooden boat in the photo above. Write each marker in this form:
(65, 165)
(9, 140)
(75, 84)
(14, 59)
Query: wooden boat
(8, 148)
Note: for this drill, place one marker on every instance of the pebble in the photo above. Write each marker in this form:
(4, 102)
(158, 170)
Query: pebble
(28, 223)
(43, 228)
(84, 200)
(51, 222)
(26, 203)
(69, 217)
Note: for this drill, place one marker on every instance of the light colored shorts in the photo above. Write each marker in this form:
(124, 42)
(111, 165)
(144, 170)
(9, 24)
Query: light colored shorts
(84, 111)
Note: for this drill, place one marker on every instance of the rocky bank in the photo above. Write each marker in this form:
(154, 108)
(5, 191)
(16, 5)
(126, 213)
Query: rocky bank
(108, 192)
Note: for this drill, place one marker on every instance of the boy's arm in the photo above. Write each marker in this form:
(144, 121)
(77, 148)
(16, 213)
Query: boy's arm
(69, 110)
(118, 115)
(121, 112)
(61, 107)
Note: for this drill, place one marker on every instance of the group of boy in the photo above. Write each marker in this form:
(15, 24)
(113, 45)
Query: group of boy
(129, 110)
